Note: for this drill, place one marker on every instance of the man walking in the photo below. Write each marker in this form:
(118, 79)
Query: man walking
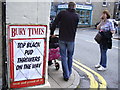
(68, 21)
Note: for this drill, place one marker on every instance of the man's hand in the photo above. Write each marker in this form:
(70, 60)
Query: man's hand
(113, 32)
(52, 36)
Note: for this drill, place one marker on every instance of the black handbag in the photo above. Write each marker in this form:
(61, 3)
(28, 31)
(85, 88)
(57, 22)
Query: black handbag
(98, 38)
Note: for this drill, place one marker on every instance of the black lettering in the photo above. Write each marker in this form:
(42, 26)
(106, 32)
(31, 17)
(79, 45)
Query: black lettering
(33, 44)
(28, 52)
(27, 66)
(21, 45)
(19, 67)
(36, 65)
(28, 59)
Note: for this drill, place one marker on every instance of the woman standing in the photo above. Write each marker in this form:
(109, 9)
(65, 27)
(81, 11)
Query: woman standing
(106, 29)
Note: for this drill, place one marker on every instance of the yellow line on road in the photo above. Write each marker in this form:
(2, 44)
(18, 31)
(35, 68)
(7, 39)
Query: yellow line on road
(93, 82)
(101, 79)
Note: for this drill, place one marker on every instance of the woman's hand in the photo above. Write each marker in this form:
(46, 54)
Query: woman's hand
(99, 25)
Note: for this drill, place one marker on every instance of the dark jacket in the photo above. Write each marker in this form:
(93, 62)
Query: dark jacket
(106, 39)
(68, 21)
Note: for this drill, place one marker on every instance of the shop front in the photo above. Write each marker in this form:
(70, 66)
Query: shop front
(84, 12)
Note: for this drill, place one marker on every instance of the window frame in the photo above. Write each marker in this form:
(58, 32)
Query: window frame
(104, 5)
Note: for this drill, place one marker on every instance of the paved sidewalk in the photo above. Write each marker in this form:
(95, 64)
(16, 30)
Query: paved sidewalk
(55, 78)
(116, 36)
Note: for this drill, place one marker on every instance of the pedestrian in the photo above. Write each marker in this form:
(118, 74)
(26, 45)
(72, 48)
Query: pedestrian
(106, 29)
(67, 21)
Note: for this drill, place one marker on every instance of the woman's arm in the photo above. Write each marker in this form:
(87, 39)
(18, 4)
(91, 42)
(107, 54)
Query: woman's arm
(99, 25)
(112, 28)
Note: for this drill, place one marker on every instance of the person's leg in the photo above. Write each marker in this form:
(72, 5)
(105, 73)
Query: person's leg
(63, 53)
(70, 51)
(103, 61)
(100, 54)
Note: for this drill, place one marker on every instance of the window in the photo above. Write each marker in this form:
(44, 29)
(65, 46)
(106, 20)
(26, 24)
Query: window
(88, 1)
(105, 3)
(84, 17)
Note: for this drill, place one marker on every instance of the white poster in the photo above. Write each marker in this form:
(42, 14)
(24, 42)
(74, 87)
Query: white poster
(28, 59)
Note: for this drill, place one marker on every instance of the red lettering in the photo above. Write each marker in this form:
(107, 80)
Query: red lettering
(21, 31)
(17, 31)
(14, 32)
(29, 29)
(36, 31)
(41, 31)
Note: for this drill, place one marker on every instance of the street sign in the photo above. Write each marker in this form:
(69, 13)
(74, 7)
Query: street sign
(27, 55)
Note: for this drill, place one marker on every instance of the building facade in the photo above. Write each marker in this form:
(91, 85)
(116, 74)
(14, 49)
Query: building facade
(117, 11)
(34, 14)
(89, 11)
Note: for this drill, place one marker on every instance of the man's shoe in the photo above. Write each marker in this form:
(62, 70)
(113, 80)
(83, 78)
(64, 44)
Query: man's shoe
(101, 68)
(97, 66)
(66, 79)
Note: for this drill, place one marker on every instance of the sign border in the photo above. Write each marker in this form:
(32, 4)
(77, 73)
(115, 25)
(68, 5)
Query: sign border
(24, 83)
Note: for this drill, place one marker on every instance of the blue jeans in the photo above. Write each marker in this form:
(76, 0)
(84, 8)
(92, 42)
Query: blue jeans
(103, 51)
(66, 52)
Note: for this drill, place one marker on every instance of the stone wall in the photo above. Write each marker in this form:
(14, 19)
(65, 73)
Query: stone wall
(98, 9)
